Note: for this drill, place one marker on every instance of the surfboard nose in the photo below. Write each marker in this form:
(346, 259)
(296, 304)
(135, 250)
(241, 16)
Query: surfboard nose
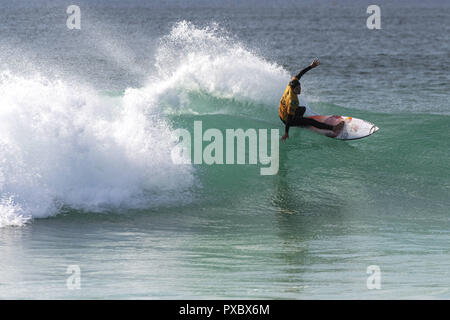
(373, 129)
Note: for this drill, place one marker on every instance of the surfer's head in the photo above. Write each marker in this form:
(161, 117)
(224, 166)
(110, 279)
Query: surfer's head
(295, 86)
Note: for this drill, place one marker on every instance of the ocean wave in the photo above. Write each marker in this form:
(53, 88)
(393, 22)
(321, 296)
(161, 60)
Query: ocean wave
(62, 144)
(192, 61)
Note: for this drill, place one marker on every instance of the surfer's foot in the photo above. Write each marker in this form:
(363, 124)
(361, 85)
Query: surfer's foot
(338, 127)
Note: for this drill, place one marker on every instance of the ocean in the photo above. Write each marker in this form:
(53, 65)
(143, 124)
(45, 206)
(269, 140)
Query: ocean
(92, 205)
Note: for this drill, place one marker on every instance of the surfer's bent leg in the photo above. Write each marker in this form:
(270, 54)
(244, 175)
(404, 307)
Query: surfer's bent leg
(300, 121)
(314, 123)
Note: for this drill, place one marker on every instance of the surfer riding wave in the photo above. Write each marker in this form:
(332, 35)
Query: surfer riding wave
(292, 114)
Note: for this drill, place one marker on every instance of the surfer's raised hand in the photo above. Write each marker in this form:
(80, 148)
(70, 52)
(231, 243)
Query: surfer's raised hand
(315, 63)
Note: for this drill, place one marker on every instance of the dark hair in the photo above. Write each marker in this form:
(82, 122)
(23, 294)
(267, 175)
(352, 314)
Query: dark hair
(294, 83)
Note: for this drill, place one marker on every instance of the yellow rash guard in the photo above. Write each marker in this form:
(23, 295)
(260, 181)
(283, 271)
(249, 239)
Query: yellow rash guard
(288, 103)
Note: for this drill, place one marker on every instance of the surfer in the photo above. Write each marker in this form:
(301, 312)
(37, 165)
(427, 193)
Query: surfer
(292, 114)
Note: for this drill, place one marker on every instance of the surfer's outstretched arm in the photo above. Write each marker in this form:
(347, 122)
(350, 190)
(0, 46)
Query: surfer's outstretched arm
(313, 64)
(286, 128)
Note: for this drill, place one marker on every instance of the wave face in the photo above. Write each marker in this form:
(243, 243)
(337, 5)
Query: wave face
(64, 145)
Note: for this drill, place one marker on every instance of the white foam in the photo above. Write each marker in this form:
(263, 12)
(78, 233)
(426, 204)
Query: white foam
(11, 214)
(208, 59)
(63, 144)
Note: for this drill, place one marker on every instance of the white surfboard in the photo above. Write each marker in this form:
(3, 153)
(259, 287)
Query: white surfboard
(353, 129)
